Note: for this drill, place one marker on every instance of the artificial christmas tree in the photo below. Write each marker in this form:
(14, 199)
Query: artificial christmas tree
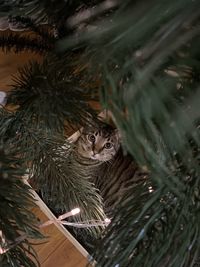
(141, 61)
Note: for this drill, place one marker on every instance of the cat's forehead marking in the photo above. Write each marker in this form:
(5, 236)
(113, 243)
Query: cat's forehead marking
(103, 131)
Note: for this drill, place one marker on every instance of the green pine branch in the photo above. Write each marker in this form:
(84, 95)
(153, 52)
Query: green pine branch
(54, 94)
(45, 11)
(16, 218)
(147, 54)
(157, 113)
(62, 184)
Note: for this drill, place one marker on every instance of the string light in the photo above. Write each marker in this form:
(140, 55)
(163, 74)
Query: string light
(3, 250)
(61, 217)
(69, 214)
(8, 245)
(87, 224)
(84, 224)
(150, 189)
(2, 98)
(107, 220)
(3, 241)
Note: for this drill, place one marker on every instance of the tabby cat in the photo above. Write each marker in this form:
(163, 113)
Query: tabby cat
(96, 156)
(98, 151)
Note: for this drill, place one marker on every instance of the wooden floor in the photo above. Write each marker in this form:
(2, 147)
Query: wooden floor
(59, 249)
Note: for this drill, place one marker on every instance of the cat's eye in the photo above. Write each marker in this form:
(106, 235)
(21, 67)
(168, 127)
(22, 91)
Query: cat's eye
(91, 138)
(108, 145)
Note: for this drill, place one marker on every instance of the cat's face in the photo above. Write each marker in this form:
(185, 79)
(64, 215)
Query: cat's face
(99, 144)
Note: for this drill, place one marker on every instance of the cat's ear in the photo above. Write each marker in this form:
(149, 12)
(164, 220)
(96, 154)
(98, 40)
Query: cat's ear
(74, 137)
(107, 117)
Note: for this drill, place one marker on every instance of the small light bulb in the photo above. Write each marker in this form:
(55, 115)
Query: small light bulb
(75, 211)
(150, 189)
(2, 98)
(107, 220)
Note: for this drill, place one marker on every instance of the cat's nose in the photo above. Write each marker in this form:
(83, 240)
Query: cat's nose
(95, 152)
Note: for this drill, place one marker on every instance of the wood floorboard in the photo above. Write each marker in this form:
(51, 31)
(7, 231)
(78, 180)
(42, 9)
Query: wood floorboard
(57, 251)
(65, 256)
(45, 248)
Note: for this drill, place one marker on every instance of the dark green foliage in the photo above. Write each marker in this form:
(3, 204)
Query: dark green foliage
(50, 94)
(61, 186)
(158, 116)
(147, 55)
(53, 12)
(16, 219)
(6, 7)
(64, 184)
